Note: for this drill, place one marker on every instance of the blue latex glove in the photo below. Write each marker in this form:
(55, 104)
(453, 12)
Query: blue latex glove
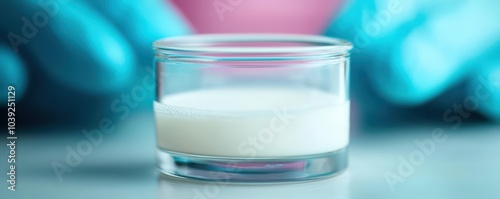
(413, 52)
(12, 72)
(75, 48)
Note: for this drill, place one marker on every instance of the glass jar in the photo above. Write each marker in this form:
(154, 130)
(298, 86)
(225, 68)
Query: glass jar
(252, 107)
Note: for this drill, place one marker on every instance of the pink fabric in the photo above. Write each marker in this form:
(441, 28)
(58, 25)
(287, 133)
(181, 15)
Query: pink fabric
(258, 16)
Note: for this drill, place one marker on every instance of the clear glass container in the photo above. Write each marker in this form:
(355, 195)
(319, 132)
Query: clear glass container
(252, 107)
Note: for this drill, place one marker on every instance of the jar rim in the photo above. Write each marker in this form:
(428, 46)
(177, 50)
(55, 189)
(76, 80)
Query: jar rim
(253, 43)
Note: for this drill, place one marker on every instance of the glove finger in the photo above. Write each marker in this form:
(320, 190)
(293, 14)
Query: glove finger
(72, 43)
(373, 27)
(12, 73)
(142, 22)
(484, 92)
(365, 23)
(437, 54)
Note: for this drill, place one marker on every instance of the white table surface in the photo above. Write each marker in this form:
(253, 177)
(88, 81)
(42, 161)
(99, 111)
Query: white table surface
(466, 165)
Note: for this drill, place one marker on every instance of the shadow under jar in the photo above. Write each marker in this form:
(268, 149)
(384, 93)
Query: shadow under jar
(252, 107)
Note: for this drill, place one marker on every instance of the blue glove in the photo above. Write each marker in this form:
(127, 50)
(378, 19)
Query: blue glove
(413, 52)
(12, 72)
(73, 49)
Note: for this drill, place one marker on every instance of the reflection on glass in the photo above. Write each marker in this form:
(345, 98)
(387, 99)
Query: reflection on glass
(169, 187)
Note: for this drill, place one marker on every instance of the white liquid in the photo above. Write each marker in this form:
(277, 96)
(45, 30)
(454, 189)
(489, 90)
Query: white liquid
(252, 122)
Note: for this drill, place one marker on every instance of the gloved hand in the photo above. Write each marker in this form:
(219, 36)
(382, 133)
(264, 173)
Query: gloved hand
(411, 52)
(76, 51)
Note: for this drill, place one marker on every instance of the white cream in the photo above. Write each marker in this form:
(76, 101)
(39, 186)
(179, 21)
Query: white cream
(252, 122)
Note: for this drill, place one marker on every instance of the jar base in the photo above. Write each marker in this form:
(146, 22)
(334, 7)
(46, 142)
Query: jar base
(248, 170)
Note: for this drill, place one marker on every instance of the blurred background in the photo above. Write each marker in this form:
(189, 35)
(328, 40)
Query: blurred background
(417, 67)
